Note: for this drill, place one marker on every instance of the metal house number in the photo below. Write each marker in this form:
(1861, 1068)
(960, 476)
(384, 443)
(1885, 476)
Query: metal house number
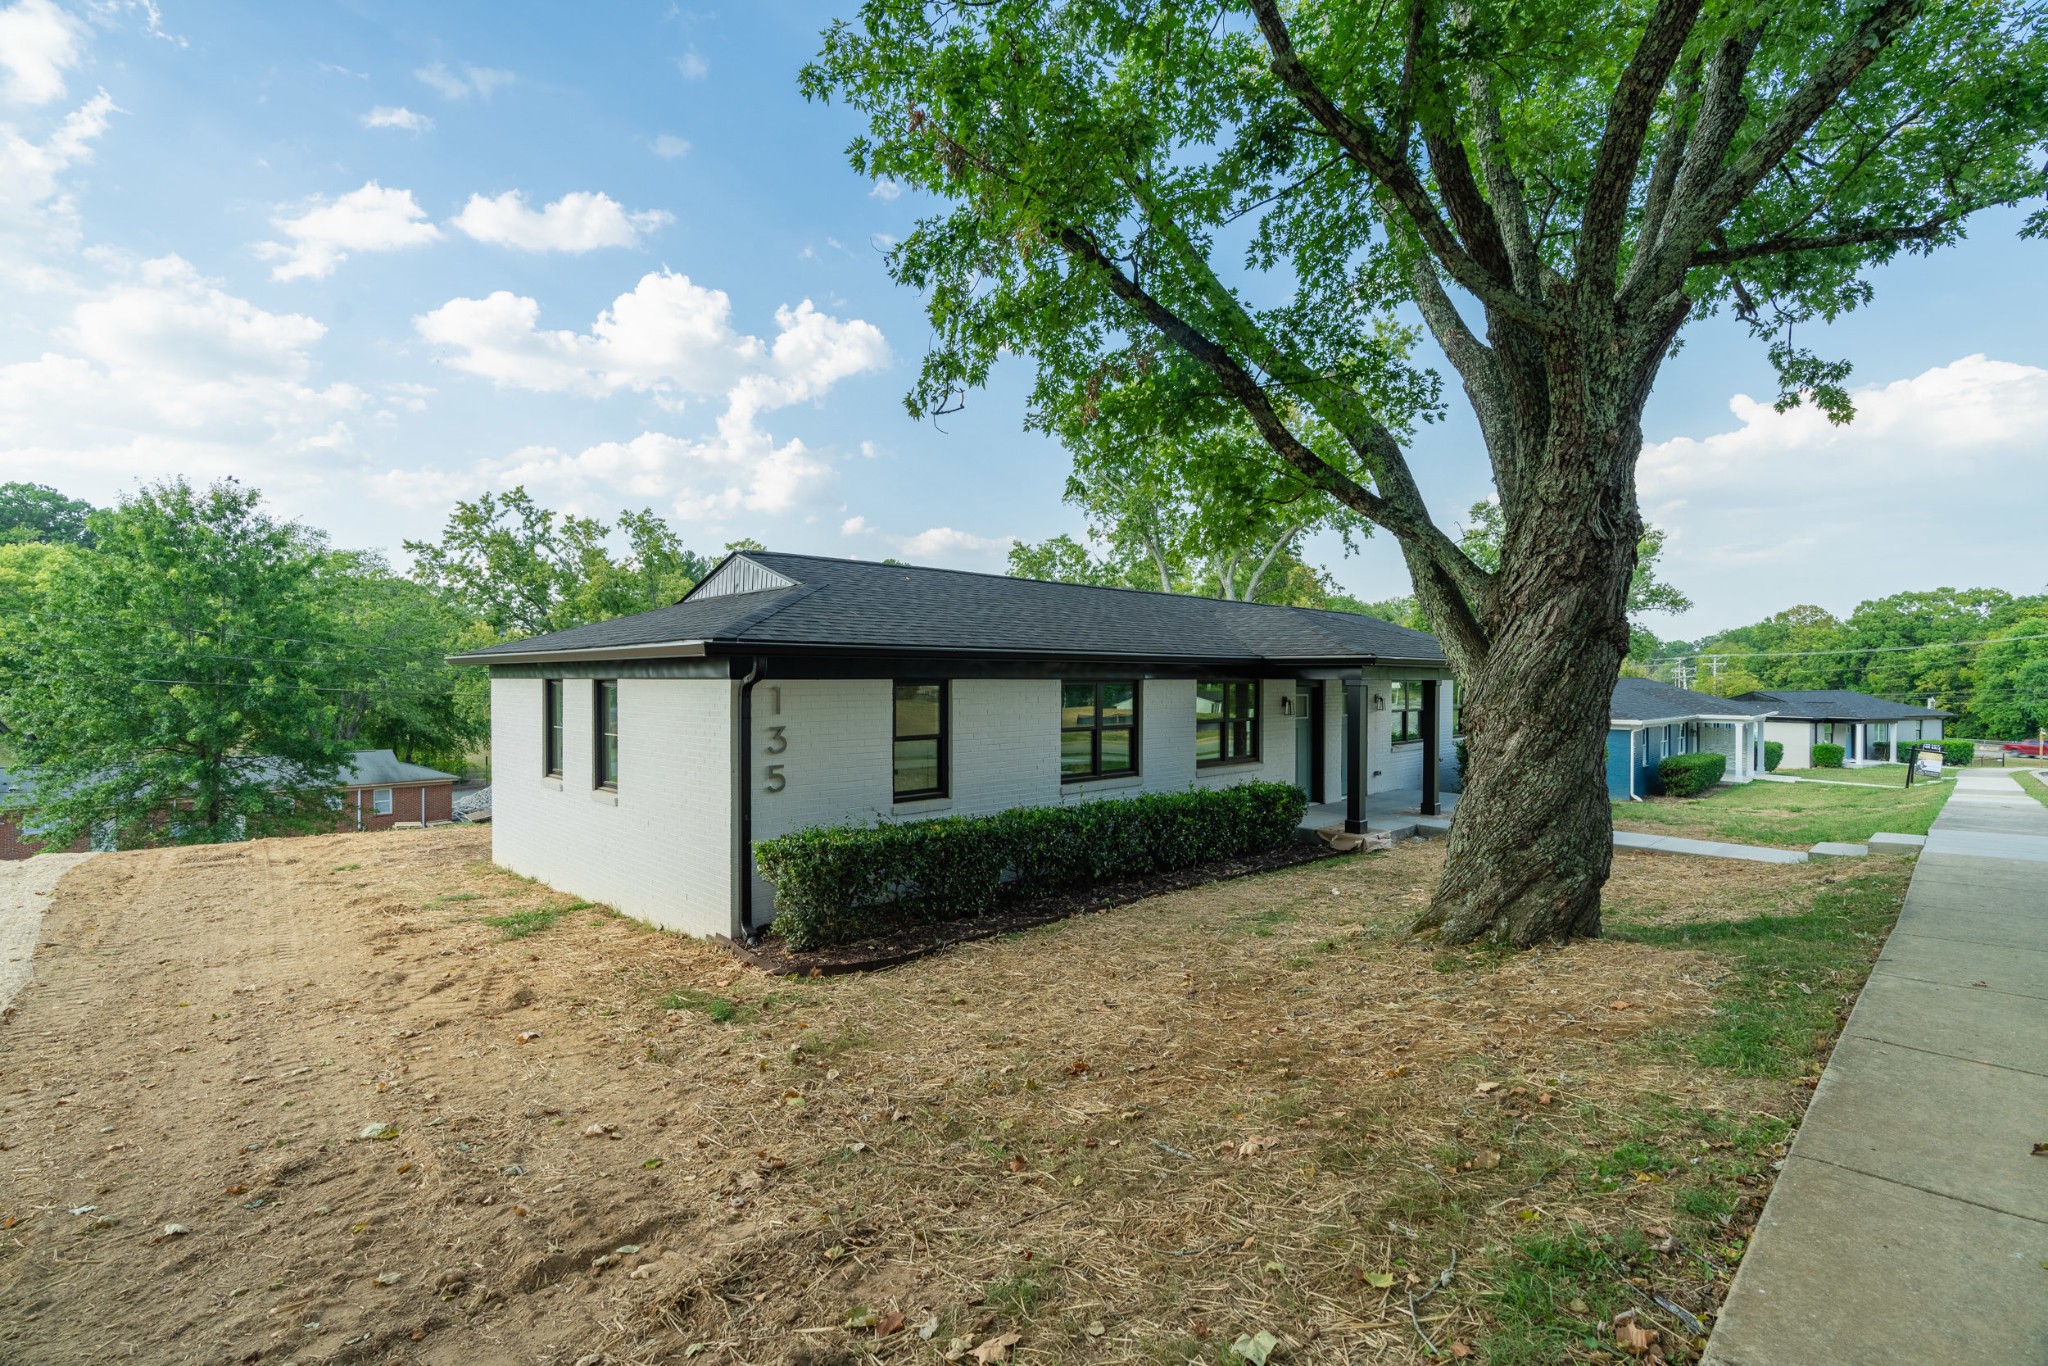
(773, 779)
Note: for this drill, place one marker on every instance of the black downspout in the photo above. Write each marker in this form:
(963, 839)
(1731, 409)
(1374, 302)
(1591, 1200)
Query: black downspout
(743, 870)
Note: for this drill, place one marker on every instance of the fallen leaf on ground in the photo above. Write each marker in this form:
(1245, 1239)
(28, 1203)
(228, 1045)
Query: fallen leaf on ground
(1633, 1338)
(1017, 1162)
(996, 1348)
(889, 1323)
(1485, 1087)
(1255, 1347)
(1380, 1280)
(1461, 1350)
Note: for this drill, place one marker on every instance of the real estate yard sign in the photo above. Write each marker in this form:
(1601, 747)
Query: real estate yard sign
(1928, 760)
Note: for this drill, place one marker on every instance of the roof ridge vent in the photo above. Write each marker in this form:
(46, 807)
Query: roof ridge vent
(739, 574)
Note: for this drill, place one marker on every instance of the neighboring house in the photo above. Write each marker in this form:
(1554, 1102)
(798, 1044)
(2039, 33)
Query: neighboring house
(17, 842)
(378, 791)
(637, 761)
(381, 790)
(1648, 722)
(1865, 727)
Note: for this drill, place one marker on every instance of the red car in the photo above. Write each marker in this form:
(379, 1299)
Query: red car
(2027, 749)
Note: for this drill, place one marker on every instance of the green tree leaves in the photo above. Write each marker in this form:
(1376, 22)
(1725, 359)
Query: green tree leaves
(173, 691)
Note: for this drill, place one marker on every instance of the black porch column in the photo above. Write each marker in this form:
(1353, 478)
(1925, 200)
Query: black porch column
(1354, 756)
(1431, 776)
(1318, 735)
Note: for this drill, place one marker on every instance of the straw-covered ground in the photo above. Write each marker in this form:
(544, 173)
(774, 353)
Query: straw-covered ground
(367, 1098)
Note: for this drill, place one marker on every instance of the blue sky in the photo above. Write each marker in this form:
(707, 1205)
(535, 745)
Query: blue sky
(376, 257)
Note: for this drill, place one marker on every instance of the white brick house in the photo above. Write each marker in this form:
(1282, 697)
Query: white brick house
(637, 761)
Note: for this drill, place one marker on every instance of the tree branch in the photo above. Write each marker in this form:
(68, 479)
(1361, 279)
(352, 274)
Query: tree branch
(1847, 237)
(1605, 217)
(1397, 513)
(1368, 147)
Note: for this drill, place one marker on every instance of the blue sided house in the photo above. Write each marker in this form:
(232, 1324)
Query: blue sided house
(1648, 721)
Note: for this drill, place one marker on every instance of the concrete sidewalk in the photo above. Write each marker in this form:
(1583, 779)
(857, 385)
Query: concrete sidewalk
(1910, 1223)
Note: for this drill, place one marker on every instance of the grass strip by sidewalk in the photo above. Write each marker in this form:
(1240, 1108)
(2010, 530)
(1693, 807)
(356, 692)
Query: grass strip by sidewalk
(1794, 977)
(1788, 815)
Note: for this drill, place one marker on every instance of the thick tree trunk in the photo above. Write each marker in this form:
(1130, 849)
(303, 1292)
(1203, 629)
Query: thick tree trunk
(1532, 839)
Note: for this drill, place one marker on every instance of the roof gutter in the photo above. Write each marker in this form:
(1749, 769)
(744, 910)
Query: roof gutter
(659, 650)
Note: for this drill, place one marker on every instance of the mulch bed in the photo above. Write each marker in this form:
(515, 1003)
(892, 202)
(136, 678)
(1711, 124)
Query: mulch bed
(918, 941)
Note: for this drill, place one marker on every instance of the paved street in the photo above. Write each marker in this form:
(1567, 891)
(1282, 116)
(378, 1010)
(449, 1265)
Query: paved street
(1910, 1224)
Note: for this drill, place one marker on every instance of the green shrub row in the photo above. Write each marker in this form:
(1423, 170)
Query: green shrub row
(1774, 754)
(1688, 775)
(1828, 756)
(837, 884)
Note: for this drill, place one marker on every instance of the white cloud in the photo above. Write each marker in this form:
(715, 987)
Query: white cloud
(30, 171)
(673, 339)
(944, 543)
(460, 85)
(39, 43)
(669, 146)
(163, 372)
(1787, 508)
(693, 66)
(886, 189)
(576, 222)
(386, 116)
(669, 336)
(853, 526)
(323, 233)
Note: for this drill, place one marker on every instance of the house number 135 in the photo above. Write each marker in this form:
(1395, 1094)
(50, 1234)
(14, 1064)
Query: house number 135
(772, 777)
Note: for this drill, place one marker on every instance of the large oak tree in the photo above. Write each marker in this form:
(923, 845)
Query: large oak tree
(1238, 203)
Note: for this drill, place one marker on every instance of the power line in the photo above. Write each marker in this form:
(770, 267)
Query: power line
(1739, 653)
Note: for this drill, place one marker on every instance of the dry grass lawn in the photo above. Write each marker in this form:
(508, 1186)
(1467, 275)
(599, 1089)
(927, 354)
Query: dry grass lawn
(1145, 1135)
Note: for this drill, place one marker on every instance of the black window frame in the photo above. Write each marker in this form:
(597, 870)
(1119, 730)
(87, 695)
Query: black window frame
(1236, 690)
(1096, 773)
(1404, 700)
(944, 736)
(604, 767)
(552, 731)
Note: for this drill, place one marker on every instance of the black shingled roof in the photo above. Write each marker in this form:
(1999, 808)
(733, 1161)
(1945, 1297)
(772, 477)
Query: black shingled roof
(1645, 699)
(1839, 704)
(859, 605)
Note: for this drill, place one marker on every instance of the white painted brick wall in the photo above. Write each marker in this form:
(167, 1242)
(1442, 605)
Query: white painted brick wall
(1388, 766)
(1005, 752)
(662, 852)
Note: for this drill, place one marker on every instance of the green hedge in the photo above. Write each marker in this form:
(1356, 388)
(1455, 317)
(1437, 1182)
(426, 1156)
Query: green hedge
(1688, 775)
(1828, 756)
(1774, 754)
(837, 884)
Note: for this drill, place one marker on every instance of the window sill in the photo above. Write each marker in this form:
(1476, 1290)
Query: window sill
(551, 780)
(604, 795)
(1109, 780)
(1206, 765)
(916, 806)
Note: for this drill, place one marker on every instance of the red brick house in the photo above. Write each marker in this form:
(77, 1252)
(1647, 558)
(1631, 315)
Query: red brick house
(379, 791)
(382, 790)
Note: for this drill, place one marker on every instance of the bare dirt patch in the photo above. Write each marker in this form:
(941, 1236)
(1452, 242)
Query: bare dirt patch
(1136, 1135)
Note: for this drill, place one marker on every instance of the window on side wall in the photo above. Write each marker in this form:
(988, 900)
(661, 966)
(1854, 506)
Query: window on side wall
(380, 801)
(1226, 721)
(1098, 730)
(920, 740)
(605, 713)
(1404, 702)
(551, 727)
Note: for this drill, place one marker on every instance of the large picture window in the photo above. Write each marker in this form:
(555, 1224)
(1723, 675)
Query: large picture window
(605, 714)
(1098, 730)
(920, 752)
(1226, 722)
(551, 727)
(1405, 704)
